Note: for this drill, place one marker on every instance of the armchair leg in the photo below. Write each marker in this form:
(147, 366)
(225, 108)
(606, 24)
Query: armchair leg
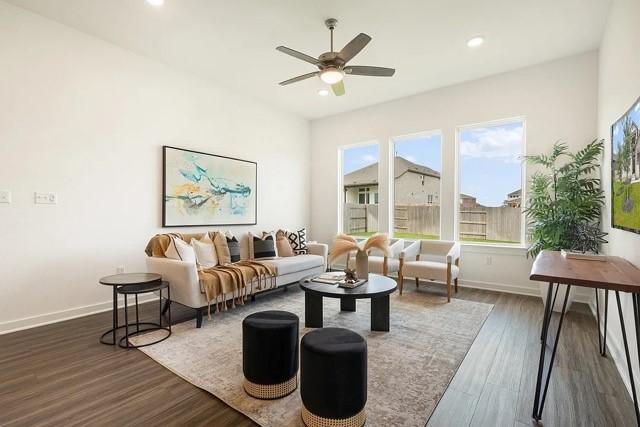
(449, 290)
(456, 284)
(400, 281)
(417, 282)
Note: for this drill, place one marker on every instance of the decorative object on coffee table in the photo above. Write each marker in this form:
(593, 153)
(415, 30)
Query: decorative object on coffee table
(333, 378)
(270, 354)
(345, 244)
(377, 288)
(115, 281)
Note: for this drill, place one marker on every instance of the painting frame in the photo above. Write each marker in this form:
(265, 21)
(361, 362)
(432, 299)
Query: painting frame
(167, 223)
(631, 116)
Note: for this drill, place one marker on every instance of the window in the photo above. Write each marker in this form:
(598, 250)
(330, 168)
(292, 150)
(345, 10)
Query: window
(360, 189)
(417, 163)
(490, 171)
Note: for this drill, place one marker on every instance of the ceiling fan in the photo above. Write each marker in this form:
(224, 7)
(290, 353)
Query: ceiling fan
(332, 66)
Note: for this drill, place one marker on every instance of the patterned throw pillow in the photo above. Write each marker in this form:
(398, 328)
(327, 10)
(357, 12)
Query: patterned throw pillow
(298, 240)
(265, 247)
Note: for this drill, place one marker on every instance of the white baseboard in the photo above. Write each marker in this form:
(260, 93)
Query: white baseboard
(62, 315)
(531, 290)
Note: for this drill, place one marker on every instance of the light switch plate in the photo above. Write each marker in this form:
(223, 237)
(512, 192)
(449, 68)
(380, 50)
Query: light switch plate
(5, 196)
(46, 198)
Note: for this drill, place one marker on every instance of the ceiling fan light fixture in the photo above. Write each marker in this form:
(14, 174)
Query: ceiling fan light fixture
(475, 41)
(323, 92)
(331, 75)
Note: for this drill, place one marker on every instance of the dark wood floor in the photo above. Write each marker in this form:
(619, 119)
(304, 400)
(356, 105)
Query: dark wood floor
(60, 375)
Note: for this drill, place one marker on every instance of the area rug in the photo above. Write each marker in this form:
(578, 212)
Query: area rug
(410, 367)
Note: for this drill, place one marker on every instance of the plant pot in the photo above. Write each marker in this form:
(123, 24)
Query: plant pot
(362, 265)
(557, 307)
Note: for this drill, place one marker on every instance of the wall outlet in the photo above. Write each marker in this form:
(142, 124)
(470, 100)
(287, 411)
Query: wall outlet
(46, 198)
(120, 269)
(5, 196)
(489, 260)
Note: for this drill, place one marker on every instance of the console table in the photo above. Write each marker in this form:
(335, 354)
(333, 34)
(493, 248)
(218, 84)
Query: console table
(615, 274)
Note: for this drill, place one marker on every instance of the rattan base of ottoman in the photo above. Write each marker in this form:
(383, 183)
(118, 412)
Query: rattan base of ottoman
(312, 420)
(271, 391)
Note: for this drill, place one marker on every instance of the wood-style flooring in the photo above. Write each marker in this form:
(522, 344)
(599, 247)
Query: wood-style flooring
(60, 375)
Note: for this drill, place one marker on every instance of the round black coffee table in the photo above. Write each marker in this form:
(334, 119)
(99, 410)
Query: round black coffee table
(116, 281)
(377, 288)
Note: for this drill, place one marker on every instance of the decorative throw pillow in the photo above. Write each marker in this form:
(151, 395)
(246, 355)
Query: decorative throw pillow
(180, 250)
(222, 249)
(298, 240)
(265, 247)
(282, 245)
(234, 247)
(206, 256)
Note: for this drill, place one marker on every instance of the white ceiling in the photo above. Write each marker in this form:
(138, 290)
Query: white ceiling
(233, 42)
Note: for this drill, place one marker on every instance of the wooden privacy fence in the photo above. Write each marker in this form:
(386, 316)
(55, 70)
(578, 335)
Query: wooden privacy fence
(500, 223)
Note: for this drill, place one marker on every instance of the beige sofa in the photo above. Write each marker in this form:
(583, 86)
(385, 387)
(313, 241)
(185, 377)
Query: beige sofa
(185, 284)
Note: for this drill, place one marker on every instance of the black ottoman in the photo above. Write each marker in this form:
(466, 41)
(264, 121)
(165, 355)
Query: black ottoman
(270, 354)
(333, 378)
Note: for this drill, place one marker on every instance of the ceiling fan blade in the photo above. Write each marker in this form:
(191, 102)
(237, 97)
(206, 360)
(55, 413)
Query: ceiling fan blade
(364, 70)
(299, 78)
(354, 47)
(299, 55)
(338, 88)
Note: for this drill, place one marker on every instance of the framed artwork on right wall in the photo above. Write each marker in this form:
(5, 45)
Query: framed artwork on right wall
(625, 170)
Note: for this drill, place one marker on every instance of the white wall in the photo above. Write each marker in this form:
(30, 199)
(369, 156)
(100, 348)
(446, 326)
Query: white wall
(87, 120)
(558, 100)
(619, 87)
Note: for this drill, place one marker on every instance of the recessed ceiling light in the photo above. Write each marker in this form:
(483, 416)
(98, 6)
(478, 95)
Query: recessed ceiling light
(323, 92)
(157, 3)
(475, 41)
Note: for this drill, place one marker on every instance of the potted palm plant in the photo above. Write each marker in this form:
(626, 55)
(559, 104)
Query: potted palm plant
(565, 202)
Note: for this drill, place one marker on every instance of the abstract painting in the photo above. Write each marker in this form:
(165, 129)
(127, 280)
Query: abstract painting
(206, 189)
(625, 171)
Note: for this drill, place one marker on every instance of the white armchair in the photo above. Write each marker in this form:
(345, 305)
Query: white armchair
(434, 260)
(381, 263)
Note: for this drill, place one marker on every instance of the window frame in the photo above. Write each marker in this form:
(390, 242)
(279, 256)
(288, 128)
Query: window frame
(392, 196)
(341, 192)
(523, 181)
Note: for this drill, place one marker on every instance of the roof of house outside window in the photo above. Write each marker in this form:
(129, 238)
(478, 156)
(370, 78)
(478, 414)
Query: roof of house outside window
(368, 175)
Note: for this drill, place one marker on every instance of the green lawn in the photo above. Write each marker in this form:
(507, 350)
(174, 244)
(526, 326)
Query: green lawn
(630, 219)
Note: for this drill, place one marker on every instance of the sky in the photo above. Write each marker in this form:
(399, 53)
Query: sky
(618, 132)
(490, 165)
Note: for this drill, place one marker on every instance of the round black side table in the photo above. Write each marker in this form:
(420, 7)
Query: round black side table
(116, 281)
(137, 290)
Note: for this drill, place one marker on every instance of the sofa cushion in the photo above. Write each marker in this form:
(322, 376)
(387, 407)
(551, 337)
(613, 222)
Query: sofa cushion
(428, 270)
(265, 247)
(297, 263)
(180, 250)
(283, 246)
(222, 249)
(234, 247)
(205, 252)
(298, 240)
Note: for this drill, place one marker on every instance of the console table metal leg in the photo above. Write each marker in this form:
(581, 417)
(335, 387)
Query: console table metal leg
(544, 365)
(347, 304)
(602, 338)
(549, 312)
(626, 347)
(380, 314)
(312, 310)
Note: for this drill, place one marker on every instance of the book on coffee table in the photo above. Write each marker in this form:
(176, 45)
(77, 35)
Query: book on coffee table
(343, 284)
(330, 278)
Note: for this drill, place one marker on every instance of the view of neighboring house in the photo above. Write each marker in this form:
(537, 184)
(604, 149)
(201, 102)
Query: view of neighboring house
(414, 184)
(514, 199)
